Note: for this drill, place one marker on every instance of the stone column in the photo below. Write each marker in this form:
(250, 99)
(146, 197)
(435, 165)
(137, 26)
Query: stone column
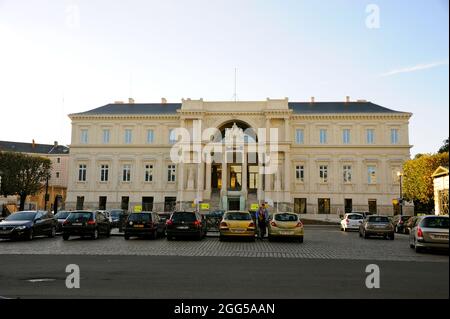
(208, 178)
(287, 172)
(244, 173)
(287, 130)
(224, 173)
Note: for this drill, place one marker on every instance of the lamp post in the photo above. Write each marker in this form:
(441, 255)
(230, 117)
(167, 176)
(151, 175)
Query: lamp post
(400, 176)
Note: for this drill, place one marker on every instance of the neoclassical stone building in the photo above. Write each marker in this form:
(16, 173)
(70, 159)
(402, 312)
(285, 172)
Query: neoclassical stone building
(329, 157)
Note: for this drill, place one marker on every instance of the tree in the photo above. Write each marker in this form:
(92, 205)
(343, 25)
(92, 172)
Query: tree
(23, 175)
(418, 183)
(444, 148)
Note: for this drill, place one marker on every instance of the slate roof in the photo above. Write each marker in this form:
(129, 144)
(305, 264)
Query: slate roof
(50, 149)
(297, 107)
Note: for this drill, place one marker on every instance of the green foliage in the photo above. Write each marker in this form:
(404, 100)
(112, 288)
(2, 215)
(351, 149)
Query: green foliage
(444, 148)
(23, 174)
(417, 182)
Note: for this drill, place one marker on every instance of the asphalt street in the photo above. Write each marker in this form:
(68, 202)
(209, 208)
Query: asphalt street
(35, 276)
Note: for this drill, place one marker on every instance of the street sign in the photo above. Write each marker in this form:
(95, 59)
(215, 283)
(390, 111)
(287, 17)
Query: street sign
(254, 207)
(204, 206)
(138, 209)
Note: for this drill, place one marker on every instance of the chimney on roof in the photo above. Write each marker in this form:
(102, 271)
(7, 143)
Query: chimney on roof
(347, 99)
(163, 100)
(33, 144)
(118, 102)
(130, 100)
(55, 143)
(313, 99)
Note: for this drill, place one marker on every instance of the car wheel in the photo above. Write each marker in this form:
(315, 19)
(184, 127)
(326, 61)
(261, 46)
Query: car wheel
(392, 236)
(360, 234)
(221, 238)
(300, 240)
(126, 236)
(417, 248)
(95, 234)
(66, 237)
(52, 233)
(170, 238)
(365, 235)
(108, 232)
(270, 238)
(155, 235)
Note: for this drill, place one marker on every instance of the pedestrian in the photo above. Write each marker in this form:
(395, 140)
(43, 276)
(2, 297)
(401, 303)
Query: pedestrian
(262, 218)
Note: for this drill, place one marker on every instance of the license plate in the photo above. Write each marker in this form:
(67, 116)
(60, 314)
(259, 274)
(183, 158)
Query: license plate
(4, 231)
(238, 230)
(440, 236)
(77, 224)
(379, 226)
(286, 233)
(182, 227)
(138, 226)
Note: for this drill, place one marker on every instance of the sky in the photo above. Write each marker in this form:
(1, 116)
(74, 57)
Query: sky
(67, 56)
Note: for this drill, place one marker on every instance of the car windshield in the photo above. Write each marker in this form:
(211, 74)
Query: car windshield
(116, 213)
(140, 217)
(286, 217)
(378, 219)
(238, 216)
(187, 217)
(436, 222)
(62, 215)
(21, 216)
(82, 216)
(355, 216)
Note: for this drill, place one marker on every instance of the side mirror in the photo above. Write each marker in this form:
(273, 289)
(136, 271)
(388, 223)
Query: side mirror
(38, 221)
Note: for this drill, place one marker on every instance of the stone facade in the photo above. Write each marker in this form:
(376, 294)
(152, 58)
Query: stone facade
(329, 157)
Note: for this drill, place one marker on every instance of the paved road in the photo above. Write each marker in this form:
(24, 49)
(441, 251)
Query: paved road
(217, 277)
(320, 243)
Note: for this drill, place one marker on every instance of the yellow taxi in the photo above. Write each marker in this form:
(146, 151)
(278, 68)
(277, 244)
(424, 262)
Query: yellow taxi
(237, 224)
(287, 225)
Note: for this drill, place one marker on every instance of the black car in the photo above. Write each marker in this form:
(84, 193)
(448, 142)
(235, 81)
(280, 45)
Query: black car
(60, 218)
(86, 224)
(399, 222)
(183, 224)
(116, 216)
(144, 224)
(27, 225)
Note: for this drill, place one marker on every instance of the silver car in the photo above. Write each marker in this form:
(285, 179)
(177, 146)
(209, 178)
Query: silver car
(376, 225)
(429, 232)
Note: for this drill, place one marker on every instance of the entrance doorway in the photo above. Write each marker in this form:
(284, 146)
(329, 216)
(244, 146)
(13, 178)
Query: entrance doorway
(234, 203)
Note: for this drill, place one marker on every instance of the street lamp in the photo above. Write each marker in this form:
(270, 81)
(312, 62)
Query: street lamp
(400, 176)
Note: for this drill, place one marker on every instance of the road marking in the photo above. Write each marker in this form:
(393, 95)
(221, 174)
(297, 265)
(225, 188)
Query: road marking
(41, 280)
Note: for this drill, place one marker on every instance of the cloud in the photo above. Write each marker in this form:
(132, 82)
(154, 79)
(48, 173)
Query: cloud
(415, 68)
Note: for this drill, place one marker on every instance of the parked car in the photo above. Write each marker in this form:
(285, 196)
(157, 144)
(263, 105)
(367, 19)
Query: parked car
(351, 221)
(182, 224)
(86, 224)
(60, 218)
(399, 222)
(410, 224)
(237, 224)
(27, 225)
(376, 225)
(429, 232)
(164, 216)
(144, 224)
(116, 215)
(286, 225)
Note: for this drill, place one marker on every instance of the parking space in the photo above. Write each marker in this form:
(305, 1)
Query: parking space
(320, 243)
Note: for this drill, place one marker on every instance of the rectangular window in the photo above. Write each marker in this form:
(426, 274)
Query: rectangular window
(80, 202)
(371, 175)
(394, 136)
(84, 136)
(82, 168)
(104, 172)
(347, 174)
(128, 136)
(57, 174)
(171, 170)
(125, 203)
(58, 160)
(150, 136)
(299, 136)
(324, 205)
(106, 135)
(323, 173)
(348, 205)
(148, 175)
(300, 205)
(370, 136)
(102, 202)
(346, 136)
(300, 173)
(172, 136)
(373, 206)
(126, 173)
(323, 136)
(147, 204)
